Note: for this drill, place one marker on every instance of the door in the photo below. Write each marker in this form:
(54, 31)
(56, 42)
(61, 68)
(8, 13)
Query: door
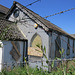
(1, 48)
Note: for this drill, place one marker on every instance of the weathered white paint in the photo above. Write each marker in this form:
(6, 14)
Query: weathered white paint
(1, 49)
(32, 62)
(12, 17)
(28, 29)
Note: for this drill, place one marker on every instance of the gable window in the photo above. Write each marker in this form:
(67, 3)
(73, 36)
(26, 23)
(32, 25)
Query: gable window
(16, 13)
(68, 48)
(57, 47)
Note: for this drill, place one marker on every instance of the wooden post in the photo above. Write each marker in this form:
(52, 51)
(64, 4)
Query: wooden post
(23, 52)
(26, 51)
(50, 46)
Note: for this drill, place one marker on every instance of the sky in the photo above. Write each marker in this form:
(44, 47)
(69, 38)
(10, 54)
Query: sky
(66, 21)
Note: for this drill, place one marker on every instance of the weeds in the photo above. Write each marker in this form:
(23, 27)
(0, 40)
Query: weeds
(36, 71)
(26, 70)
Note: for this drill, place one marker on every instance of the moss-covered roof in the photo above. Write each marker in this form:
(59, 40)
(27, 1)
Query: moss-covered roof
(10, 31)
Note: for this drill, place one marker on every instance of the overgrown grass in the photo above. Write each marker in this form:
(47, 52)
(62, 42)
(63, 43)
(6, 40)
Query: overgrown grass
(35, 71)
(25, 71)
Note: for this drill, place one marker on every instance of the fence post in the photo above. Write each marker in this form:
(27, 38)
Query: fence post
(49, 66)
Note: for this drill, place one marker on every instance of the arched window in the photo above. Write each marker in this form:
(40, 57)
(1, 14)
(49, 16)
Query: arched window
(16, 13)
(35, 46)
(36, 40)
(57, 47)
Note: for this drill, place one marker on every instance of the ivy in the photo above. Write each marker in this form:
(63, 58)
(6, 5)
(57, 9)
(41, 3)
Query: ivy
(6, 31)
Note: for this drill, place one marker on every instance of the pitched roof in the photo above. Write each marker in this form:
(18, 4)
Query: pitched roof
(3, 9)
(10, 31)
(41, 19)
(73, 35)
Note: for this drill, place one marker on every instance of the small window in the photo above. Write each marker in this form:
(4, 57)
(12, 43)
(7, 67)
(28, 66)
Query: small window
(68, 48)
(58, 47)
(35, 46)
(16, 13)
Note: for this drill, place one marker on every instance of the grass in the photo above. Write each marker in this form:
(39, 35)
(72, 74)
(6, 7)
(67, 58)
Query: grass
(35, 71)
(24, 71)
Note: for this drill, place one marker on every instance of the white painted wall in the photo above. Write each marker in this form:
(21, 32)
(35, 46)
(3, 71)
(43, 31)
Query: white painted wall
(32, 62)
(28, 30)
(1, 49)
